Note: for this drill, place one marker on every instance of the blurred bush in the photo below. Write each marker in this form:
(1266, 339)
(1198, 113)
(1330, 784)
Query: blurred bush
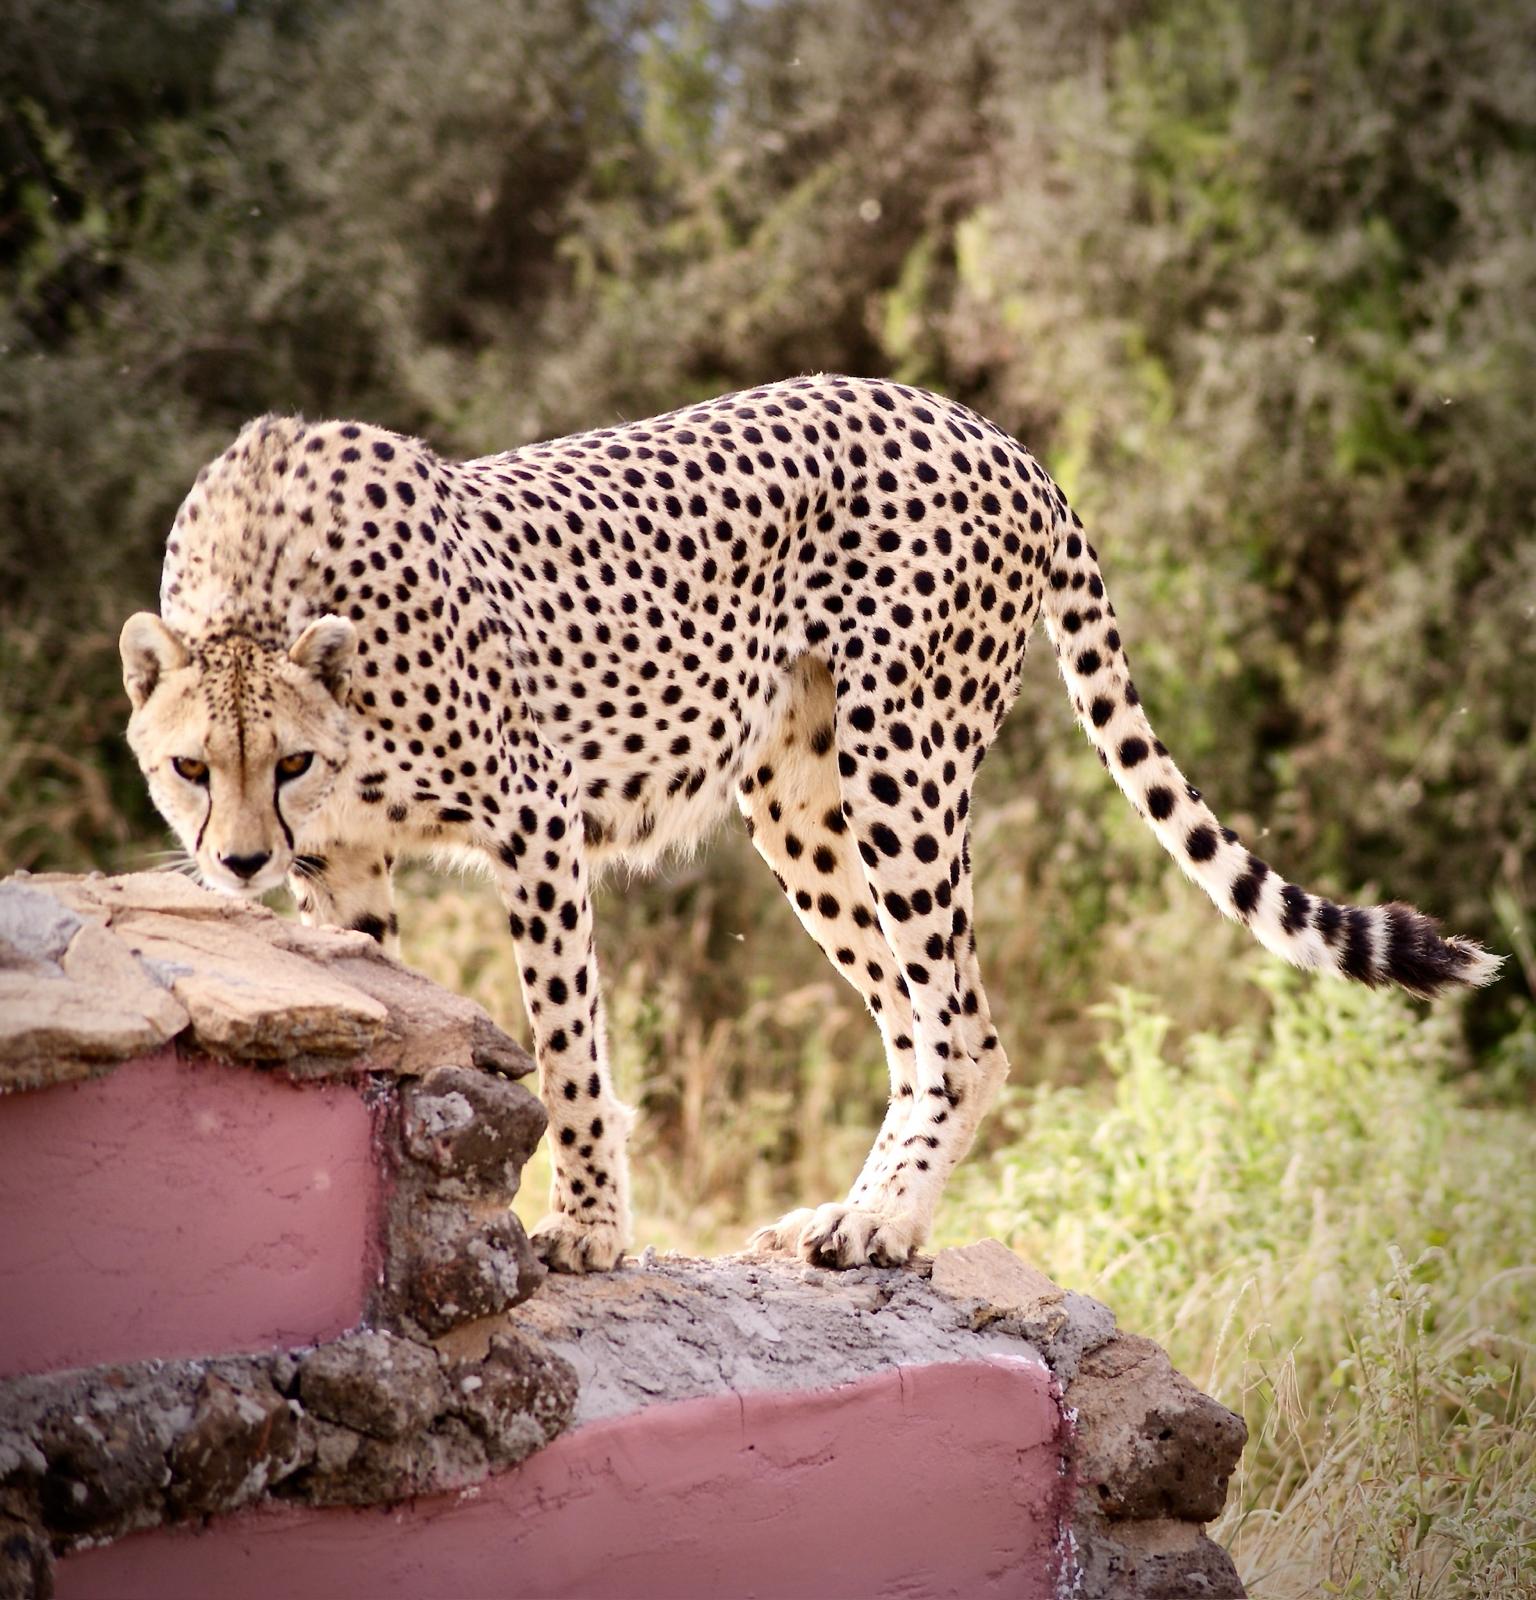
(1256, 280)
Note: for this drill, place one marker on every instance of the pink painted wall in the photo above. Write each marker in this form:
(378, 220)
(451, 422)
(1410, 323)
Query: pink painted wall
(936, 1481)
(180, 1208)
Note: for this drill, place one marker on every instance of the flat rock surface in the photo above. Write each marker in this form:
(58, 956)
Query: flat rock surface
(97, 970)
(674, 1328)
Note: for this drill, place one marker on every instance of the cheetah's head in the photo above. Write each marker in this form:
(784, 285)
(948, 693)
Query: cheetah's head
(241, 740)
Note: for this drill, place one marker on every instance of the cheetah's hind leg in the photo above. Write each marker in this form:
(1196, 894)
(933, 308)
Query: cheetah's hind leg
(793, 806)
(908, 822)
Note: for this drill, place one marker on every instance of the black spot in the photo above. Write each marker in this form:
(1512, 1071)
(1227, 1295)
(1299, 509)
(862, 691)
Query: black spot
(1133, 752)
(1245, 892)
(1201, 843)
(1297, 905)
(885, 788)
(1160, 802)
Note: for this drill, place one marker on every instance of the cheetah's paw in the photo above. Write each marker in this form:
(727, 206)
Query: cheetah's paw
(781, 1237)
(841, 1235)
(566, 1243)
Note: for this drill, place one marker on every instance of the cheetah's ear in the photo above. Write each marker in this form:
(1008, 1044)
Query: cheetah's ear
(326, 648)
(149, 650)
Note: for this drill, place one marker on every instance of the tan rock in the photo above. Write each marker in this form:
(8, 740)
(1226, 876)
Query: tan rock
(101, 1007)
(162, 954)
(148, 891)
(247, 998)
(430, 1026)
(1005, 1286)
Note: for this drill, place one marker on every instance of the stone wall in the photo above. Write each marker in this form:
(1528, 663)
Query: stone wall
(255, 1183)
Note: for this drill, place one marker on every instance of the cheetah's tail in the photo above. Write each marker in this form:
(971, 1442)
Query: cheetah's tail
(1377, 944)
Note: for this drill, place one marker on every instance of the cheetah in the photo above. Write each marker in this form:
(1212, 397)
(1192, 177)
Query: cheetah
(811, 597)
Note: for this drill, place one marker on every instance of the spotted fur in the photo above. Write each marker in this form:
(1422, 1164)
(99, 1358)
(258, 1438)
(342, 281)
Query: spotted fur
(812, 597)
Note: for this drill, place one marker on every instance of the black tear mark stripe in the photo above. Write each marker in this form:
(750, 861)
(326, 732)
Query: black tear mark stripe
(277, 809)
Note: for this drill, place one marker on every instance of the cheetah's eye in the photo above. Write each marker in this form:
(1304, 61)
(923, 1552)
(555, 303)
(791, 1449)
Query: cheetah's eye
(294, 766)
(192, 771)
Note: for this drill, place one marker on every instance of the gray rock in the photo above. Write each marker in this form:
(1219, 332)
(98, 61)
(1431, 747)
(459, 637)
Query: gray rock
(473, 1129)
(449, 1265)
(373, 1383)
(35, 929)
(1150, 1444)
(677, 1328)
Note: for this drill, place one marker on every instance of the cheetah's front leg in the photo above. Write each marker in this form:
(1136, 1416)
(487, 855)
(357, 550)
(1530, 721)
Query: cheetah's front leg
(347, 886)
(543, 875)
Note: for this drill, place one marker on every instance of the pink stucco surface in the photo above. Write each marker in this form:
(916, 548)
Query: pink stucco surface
(919, 1482)
(178, 1208)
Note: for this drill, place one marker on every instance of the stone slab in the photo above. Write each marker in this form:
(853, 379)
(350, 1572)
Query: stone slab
(674, 1327)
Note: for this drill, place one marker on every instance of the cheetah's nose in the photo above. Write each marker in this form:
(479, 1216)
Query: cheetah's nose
(247, 866)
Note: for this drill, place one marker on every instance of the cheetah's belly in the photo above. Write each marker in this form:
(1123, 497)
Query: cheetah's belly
(665, 781)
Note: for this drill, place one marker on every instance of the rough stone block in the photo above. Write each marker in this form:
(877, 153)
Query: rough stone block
(1161, 1560)
(447, 1267)
(472, 1128)
(26, 1566)
(518, 1398)
(105, 1445)
(243, 1438)
(1150, 1444)
(374, 1383)
(378, 1471)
